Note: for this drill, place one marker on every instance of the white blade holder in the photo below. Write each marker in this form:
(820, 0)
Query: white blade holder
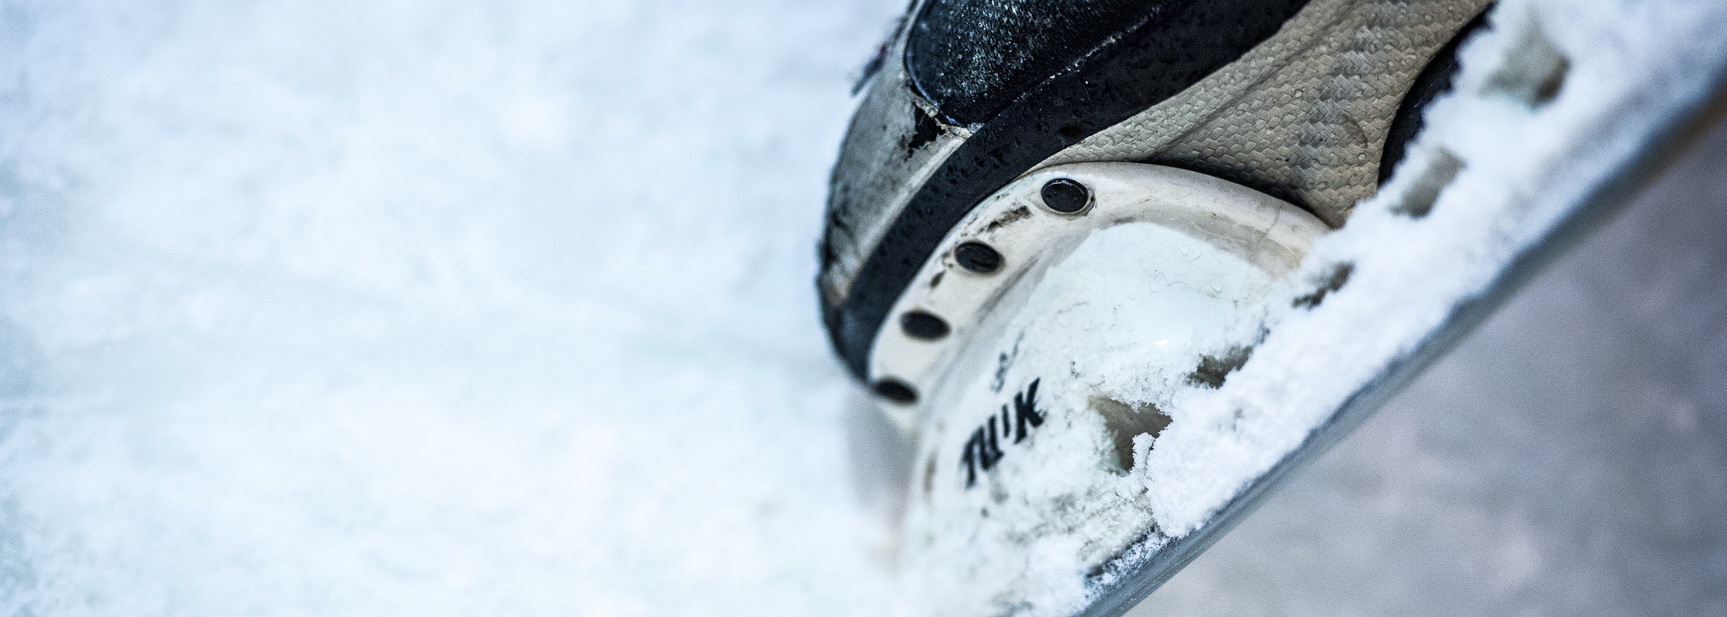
(985, 267)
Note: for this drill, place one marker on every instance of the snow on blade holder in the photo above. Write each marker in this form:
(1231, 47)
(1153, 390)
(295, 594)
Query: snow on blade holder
(1560, 115)
(1557, 117)
(983, 269)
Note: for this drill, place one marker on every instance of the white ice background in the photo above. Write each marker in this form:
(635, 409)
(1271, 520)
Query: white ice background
(423, 308)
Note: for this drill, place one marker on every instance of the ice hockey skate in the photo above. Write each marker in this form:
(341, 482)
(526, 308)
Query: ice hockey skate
(1117, 268)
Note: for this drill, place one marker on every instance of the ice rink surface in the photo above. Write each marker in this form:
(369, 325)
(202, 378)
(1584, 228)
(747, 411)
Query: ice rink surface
(445, 308)
(423, 308)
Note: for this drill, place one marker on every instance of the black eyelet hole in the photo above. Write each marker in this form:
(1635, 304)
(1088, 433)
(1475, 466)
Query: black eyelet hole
(895, 390)
(1066, 195)
(977, 257)
(922, 325)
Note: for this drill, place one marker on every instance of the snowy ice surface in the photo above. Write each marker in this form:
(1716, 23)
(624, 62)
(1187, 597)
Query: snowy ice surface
(442, 308)
(423, 308)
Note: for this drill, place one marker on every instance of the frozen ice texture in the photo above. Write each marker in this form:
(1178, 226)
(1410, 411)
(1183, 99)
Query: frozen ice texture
(423, 308)
(504, 308)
